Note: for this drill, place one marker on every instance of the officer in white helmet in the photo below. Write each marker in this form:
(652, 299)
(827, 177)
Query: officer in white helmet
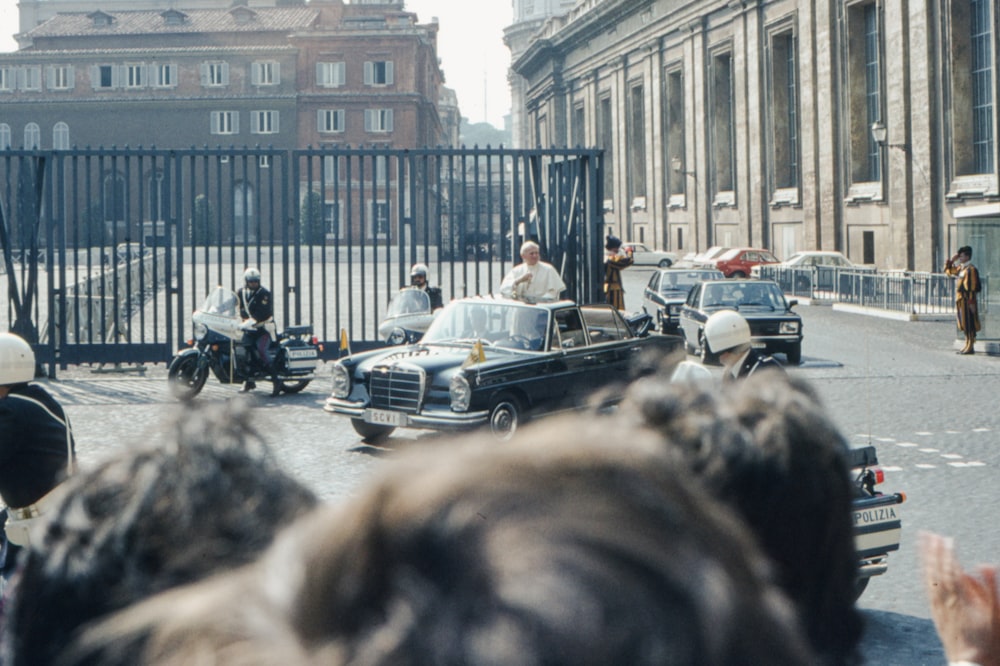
(727, 334)
(418, 279)
(257, 311)
(37, 451)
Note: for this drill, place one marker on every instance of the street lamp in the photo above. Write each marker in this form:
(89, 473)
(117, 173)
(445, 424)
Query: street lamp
(880, 134)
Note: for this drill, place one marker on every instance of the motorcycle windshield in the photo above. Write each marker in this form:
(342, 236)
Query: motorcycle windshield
(221, 301)
(408, 302)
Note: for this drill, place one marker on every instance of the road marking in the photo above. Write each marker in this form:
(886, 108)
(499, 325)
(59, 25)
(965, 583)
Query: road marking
(952, 456)
(982, 430)
(925, 466)
(892, 468)
(907, 445)
(923, 433)
(929, 450)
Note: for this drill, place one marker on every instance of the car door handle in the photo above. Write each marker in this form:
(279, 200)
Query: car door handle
(589, 357)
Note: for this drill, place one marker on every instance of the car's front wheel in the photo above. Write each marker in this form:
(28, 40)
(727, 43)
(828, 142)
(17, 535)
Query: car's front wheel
(737, 274)
(371, 432)
(505, 416)
(707, 357)
(794, 354)
(665, 263)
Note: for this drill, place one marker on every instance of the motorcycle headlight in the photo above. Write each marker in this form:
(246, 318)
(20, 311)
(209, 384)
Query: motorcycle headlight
(200, 331)
(396, 337)
(789, 327)
(341, 381)
(460, 392)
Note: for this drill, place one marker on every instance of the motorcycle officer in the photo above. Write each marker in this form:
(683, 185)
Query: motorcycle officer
(257, 311)
(727, 334)
(36, 445)
(418, 279)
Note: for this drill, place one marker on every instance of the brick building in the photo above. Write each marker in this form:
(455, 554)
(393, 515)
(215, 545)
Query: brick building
(751, 122)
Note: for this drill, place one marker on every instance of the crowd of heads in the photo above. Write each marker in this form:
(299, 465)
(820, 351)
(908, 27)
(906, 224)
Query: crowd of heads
(690, 526)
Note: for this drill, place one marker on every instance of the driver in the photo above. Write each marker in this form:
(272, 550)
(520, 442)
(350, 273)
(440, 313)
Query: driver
(418, 279)
(257, 310)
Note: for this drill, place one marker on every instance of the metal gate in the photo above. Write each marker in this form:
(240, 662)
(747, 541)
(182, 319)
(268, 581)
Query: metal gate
(107, 251)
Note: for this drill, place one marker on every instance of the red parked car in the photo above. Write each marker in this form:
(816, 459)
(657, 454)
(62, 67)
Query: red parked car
(738, 261)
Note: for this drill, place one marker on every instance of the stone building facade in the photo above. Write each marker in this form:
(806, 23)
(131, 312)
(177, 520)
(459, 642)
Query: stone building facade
(290, 76)
(865, 126)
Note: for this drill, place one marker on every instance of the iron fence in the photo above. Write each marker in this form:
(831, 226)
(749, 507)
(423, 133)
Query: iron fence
(107, 250)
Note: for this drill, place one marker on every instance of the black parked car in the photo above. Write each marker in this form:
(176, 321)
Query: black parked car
(774, 327)
(492, 362)
(667, 290)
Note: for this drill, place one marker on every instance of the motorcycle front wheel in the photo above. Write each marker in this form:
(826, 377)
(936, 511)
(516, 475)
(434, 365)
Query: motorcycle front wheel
(184, 378)
(289, 386)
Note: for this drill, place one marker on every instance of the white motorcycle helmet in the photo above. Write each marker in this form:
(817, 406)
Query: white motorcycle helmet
(418, 269)
(725, 330)
(251, 275)
(17, 360)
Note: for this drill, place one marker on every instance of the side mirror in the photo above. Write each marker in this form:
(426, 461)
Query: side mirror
(792, 303)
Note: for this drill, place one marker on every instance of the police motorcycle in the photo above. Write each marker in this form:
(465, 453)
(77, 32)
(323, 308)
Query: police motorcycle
(877, 516)
(218, 346)
(408, 317)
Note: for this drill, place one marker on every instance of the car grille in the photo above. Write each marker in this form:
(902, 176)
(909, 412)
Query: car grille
(765, 328)
(396, 387)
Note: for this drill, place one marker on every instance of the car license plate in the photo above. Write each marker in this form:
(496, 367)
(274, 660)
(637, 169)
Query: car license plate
(876, 515)
(385, 417)
(301, 353)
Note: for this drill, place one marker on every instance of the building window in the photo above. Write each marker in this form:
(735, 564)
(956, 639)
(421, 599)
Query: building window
(214, 74)
(637, 147)
(164, 75)
(330, 74)
(264, 122)
(135, 75)
(264, 161)
(378, 120)
(4, 136)
(784, 111)
(60, 136)
(330, 120)
(225, 122)
(243, 211)
(8, 79)
(60, 77)
(674, 108)
(32, 137)
(266, 73)
(981, 29)
(31, 78)
(606, 134)
(579, 128)
(334, 169)
(158, 196)
(722, 122)
(332, 215)
(113, 203)
(104, 77)
(379, 219)
(378, 73)
(865, 89)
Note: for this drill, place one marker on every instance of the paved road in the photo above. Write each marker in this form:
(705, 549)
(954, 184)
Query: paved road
(899, 385)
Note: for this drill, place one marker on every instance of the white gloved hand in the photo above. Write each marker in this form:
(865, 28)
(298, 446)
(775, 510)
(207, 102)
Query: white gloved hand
(249, 324)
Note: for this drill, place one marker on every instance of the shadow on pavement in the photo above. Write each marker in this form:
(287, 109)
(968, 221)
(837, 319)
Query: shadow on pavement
(893, 639)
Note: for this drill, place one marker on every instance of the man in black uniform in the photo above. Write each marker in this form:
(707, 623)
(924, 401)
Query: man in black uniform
(727, 334)
(257, 310)
(36, 446)
(418, 279)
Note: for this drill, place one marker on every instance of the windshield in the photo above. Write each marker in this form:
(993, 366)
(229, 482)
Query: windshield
(485, 320)
(743, 295)
(684, 280)
(220, 301)
(409, 301)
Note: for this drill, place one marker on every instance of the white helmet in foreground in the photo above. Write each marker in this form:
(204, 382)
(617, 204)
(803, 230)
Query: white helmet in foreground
(17, 360)
(725, 330)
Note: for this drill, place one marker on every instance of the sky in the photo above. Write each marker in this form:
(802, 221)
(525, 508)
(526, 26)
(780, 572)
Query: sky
(470, 46)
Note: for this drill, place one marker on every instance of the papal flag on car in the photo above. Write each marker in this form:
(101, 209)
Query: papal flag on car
(476, 355)
(345, 345)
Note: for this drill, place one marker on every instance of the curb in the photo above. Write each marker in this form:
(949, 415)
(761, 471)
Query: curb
(890, 314)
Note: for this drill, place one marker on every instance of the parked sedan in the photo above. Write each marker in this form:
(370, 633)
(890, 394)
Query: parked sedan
(813, 269)
(643, 256)
(774, 327)
(738, 261)
(667, 290)
(492, 362)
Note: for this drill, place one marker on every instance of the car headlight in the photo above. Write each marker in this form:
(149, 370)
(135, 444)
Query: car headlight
(341, 381)
(789, 327)
(460, 392)
(200, 331)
